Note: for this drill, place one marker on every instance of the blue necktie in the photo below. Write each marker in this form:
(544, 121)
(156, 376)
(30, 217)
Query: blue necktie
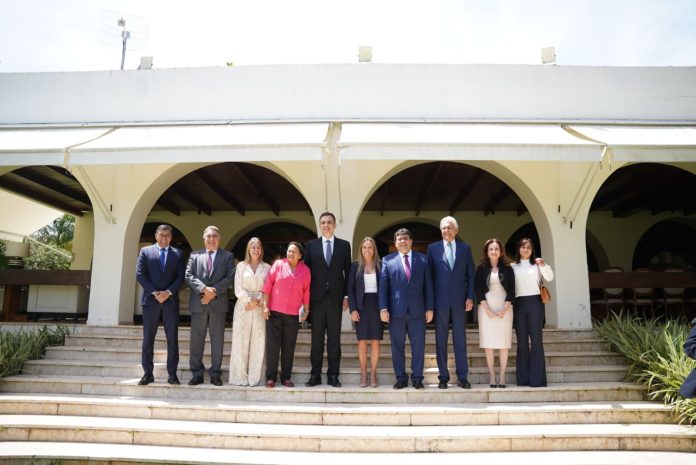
(328, 252)
(450, 256)
(163, 256)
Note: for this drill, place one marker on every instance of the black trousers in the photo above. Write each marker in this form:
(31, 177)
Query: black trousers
(326, 317)
(529, 322)
(281, 336)
(151, 318)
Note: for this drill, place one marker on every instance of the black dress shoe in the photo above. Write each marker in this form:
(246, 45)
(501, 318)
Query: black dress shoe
(442, 385)
(333, 381)
(400, 384)
(173, 380)
(494, 385)
(502, 386)
(146, 379)
(314, 380)
(464, 384)
(195, 381)
(215, 380)
(418, 385)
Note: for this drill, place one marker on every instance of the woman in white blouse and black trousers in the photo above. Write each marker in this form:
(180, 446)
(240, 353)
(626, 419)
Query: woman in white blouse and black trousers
(529, 314)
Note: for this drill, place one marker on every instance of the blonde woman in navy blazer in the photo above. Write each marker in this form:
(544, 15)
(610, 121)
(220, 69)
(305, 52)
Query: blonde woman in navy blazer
(363, 282)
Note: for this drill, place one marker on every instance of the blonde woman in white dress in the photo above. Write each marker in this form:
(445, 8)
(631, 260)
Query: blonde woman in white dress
(495, 292)
(248, 324)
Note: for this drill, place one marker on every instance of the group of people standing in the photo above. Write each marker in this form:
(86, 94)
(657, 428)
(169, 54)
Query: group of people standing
(405, 289)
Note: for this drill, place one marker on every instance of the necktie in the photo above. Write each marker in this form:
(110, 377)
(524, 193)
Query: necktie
(450, 255)
(327, 253)
(407, 268)
(210, 262)
(163, 257)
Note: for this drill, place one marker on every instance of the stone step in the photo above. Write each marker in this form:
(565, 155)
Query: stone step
(79, 453)
(305, 333)
(339, 414)
(349, 375)
(474, 359)
(326, 438)
(348, 345)
(384, 394)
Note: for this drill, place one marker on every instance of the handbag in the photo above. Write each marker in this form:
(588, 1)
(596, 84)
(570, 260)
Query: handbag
(544, 292)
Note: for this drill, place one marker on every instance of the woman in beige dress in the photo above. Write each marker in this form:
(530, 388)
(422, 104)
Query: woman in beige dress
(495, 292)
(248, 324)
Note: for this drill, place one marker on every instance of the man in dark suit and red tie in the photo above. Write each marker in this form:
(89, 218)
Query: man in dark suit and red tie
(452, 268)
(210, 273)
(328, 259)
(406, 303)
(160, 271)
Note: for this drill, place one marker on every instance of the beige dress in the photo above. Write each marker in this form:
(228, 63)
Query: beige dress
(495, 333)
(248, 327)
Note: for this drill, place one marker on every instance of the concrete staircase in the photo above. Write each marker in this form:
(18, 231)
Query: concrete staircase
(85, 394)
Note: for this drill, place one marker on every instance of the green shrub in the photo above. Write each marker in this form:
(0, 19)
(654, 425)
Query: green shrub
(17, 348)
(655, 351)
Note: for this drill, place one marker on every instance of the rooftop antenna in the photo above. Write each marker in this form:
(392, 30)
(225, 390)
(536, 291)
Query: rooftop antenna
(123, 31)
(124, 35)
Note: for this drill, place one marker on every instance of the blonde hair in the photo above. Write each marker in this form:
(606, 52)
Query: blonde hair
(361, 261)
(247, 256)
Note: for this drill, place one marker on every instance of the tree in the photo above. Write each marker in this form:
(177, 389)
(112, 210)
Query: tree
(3, 257)
(59, 233)
(43, 258)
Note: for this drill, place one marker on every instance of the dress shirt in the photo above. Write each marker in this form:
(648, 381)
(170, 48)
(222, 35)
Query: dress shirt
(454, 249)
(212, 258)
(410, 260)
(287, 291)
(323, 244)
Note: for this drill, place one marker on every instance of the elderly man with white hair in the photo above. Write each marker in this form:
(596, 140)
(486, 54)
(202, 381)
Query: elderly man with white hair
(452, 270)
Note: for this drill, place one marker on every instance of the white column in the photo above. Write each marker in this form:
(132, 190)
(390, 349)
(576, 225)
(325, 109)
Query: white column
(83, 242)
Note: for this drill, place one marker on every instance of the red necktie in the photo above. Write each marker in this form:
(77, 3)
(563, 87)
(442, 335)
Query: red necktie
(407, 268)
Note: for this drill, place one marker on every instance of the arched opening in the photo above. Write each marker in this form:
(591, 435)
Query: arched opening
(423, 234)
(643, 218)
(35, 197)
(235, 197)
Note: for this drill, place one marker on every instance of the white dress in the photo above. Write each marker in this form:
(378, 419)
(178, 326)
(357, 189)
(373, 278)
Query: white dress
(248, 327)
(495, 333)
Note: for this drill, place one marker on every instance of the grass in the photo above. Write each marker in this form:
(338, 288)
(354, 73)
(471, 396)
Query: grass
(17, 348)
(655, 351)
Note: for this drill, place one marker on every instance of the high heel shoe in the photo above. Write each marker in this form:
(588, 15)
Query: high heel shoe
(363, 380)
(373, 379)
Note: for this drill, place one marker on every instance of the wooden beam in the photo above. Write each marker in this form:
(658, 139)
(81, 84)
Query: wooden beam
(168, 205)
(192, 198)
(50, 183)
(385, 197)
(17, 188)
(52, 277)
(498, 197)
(428, 184)
(521, 209)
(467, 188)
(256, 187)
(631, 279)
(220, 190)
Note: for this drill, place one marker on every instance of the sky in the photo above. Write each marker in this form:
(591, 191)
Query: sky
(81, 35)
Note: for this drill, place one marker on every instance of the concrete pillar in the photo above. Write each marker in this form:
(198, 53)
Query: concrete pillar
(83, 242)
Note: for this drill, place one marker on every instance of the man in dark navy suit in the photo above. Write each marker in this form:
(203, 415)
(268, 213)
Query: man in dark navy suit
(328, 258)
(406, 303)
(160, 271)
(688, 388)
(452, 268)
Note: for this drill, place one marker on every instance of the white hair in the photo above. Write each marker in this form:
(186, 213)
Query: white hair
(451, 220)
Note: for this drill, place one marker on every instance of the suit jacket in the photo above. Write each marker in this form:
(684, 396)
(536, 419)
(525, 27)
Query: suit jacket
(452, 287)
(221, 279)
(507, 279)
(398, 295)
(688, 388)
(148, 272)
(331, 278)
(356, 287)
